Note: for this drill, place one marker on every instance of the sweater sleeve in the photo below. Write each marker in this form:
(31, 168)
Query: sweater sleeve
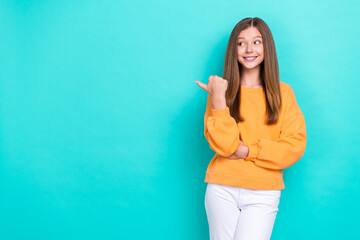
(221, 130)
(289, 147)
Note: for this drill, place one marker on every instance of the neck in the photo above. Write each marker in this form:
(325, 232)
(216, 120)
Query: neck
(250, 77)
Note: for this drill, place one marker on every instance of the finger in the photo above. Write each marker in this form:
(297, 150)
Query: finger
(202, 85)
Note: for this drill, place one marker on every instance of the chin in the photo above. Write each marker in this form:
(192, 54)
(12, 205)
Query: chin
(251, 66)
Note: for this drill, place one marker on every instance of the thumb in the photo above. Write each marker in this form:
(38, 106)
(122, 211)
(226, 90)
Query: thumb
(202, 85)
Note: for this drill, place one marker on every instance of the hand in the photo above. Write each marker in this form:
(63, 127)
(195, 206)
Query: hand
(216, 86)
(241, 152)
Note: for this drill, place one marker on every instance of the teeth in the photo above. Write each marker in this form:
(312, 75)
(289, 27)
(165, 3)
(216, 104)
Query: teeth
(250, 58)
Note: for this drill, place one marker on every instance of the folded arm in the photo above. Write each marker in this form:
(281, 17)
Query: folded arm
(289, 147)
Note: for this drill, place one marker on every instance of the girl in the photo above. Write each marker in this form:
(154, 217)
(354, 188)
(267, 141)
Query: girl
(256, 128)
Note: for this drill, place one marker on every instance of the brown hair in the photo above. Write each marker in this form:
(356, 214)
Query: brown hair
(269, 71)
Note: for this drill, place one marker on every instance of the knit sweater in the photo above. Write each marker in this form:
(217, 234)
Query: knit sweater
(272, 148)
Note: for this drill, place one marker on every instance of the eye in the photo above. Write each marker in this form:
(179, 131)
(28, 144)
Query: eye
(240, 43)
(258, 41)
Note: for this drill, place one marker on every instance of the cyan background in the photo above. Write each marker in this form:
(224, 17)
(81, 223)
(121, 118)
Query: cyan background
(101, 122)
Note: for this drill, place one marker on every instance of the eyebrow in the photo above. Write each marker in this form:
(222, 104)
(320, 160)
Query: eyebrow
(253, 37)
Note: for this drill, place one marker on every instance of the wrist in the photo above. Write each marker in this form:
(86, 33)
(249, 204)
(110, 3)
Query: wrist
(244, 151)
(218, 102)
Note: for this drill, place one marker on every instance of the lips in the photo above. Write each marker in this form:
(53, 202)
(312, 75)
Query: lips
(250, 58)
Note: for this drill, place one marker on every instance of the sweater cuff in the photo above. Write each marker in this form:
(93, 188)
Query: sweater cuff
(253, 151)
(220, 113)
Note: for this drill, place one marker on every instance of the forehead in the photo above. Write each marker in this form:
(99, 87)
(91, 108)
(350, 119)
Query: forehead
(249, 33)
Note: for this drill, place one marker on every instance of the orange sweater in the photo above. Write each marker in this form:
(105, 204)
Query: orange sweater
(271, 148)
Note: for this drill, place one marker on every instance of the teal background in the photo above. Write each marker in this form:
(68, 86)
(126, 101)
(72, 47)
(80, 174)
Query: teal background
(101, 122)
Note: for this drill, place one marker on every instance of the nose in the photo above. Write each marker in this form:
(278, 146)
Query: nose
(249, 48)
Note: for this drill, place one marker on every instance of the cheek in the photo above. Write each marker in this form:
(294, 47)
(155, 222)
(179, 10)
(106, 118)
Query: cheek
(239, 53)
(259, 49)
(238, 50)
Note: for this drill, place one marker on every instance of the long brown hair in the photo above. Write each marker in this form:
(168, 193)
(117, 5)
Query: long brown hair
(269, 71)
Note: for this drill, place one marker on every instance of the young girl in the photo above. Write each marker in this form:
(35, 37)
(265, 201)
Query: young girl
(256, 128)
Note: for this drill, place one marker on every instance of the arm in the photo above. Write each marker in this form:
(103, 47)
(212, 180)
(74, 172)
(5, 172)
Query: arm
(220, 129)
(289, 147)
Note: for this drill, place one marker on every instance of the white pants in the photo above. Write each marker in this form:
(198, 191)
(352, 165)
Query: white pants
(236, 213)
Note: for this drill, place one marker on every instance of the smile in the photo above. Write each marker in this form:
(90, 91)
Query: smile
(250, 59)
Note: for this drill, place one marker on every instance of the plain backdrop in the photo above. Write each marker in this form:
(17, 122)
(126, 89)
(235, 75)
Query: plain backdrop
(101, 122)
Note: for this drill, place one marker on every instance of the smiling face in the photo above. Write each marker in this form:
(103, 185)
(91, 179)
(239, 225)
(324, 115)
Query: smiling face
(250, 49)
